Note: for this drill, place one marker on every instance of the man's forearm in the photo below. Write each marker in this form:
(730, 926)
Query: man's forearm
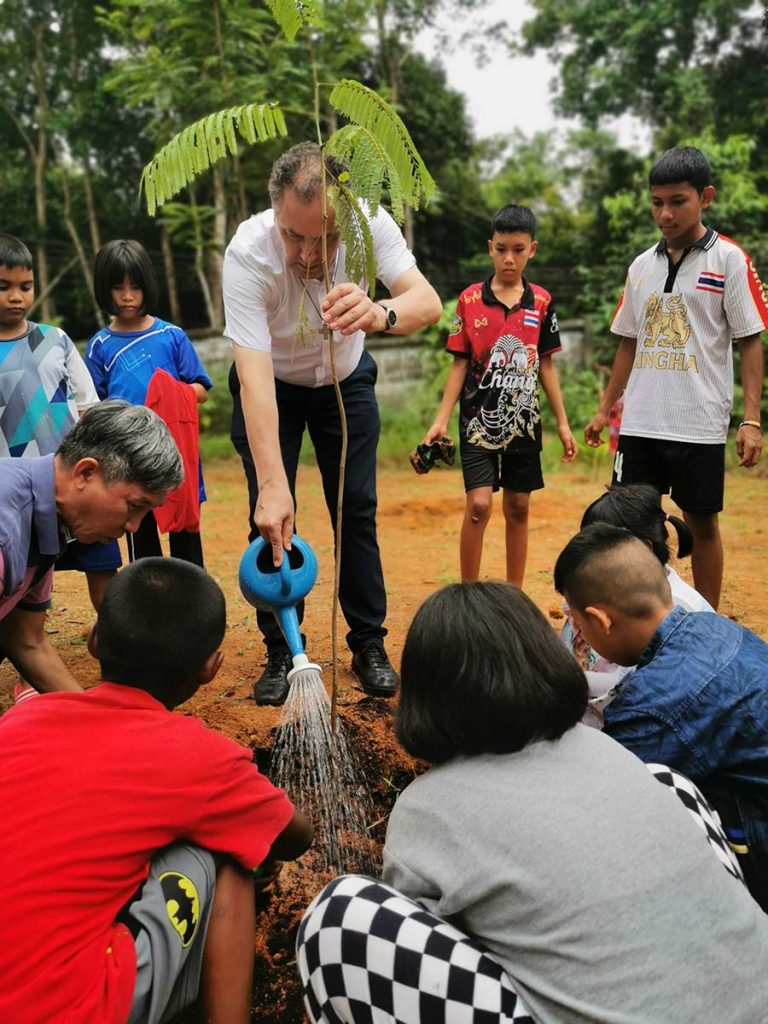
(257, 397)
(24, 642)
(261, 426)
(274, 510)
(42, 667)
(415, 307)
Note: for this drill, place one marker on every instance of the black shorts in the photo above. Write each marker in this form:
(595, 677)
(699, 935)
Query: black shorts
(695, 473)
(514, 471)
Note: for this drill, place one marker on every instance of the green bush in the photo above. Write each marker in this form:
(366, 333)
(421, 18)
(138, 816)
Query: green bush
(216, 414)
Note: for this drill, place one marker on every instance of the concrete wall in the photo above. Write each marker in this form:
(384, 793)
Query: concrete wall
(400, 360)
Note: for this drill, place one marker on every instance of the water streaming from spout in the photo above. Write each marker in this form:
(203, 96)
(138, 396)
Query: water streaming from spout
(322, 776)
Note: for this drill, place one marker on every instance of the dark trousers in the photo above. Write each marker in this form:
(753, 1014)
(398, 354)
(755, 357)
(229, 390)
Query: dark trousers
(145, 543)
(361, 587)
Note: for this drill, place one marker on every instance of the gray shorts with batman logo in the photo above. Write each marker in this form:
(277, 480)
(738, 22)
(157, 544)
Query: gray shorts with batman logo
(168, 920)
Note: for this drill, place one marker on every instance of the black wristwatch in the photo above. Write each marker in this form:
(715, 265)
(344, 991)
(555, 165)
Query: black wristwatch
(391, 316)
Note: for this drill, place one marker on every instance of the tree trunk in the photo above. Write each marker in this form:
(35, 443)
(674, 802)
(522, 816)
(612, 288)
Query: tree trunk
(170, 273)
(41, 296)
(408, 231)
(216, 253)
(40, 160)
(202, 280)
(90, 205)
(242, 202)
(81, 257)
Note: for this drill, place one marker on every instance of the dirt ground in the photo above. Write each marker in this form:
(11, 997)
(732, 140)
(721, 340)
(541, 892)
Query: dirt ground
(419, 519)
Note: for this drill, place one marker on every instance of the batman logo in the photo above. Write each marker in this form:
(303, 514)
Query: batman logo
(182, 903)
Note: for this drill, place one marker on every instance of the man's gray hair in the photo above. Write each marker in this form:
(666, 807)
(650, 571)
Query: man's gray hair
(299, 171)
(130, 443)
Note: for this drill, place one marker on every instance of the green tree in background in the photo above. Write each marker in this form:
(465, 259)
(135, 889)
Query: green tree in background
(52, 63)
(454, 226)
(680, 65)
(182, 59)
(695, 75)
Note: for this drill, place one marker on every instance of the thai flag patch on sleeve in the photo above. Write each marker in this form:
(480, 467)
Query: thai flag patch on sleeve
(531, 318)
(709, 281)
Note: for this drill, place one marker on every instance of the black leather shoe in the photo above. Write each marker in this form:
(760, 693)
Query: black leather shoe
(374, 670)
(272, 685)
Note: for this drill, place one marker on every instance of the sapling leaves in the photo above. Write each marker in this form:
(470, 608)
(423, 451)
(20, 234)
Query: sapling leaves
(388, 149)
(355, 232)
(290, 15)
(195, 149)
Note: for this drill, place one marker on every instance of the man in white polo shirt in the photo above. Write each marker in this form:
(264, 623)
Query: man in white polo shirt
(685, 301)
(275, 304)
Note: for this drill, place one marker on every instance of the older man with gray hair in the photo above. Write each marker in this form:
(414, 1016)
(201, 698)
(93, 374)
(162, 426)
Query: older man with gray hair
(117, 463)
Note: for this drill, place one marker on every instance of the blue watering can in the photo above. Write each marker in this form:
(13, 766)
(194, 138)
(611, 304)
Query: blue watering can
(280, 589)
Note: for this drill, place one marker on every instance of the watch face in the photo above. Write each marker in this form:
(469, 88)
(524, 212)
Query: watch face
(391, 317)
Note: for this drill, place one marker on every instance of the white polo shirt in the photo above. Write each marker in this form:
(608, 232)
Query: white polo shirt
(684, 320)
(263, 299)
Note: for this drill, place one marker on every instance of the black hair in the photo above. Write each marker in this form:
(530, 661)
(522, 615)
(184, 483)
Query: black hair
(514, 218)
(637, 507)
(681, 164)
(483, 672)
(608, 565)
(160, 621)
(13, 252)
(118, 259)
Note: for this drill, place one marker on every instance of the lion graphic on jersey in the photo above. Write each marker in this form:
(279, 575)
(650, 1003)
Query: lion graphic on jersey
(667, 328)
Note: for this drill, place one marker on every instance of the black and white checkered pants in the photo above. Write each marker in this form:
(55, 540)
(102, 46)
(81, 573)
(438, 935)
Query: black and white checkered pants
(705, 816)
(369, 955)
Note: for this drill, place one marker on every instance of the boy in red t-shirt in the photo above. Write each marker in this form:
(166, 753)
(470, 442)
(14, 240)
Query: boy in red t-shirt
(502, 341)
(132, 834)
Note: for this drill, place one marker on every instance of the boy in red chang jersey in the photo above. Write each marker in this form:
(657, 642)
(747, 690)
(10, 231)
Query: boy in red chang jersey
(502, 342)
(133, 835)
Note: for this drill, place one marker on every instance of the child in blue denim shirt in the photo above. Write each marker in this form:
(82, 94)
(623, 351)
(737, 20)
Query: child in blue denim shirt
(698, 699)
(636, 507)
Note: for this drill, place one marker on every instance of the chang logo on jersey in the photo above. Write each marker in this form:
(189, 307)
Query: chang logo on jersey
(182, 904)
(456, 325)
(510, 407)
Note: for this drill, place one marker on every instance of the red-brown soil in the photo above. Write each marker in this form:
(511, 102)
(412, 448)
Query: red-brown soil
(419, 519)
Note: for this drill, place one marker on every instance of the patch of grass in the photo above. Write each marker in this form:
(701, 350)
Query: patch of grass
(216, 413)
(216, 448)
(596, 462)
